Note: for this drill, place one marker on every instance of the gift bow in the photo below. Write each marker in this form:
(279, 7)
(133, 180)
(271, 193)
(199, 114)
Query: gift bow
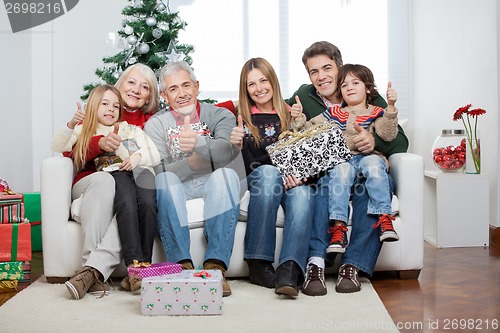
(203, 274)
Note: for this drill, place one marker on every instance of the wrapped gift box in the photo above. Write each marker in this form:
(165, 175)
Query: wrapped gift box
(15, 242)
(33, 213)
(190, 292)
(11, 208)
(173, 134)
(307, 153)
(11, 270)
(158, 269)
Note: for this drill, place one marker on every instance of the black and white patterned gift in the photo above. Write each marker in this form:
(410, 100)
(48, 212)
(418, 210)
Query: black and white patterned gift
(308, 152)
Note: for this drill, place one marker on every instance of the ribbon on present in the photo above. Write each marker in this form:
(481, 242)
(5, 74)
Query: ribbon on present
(15, 242)
(289, 137)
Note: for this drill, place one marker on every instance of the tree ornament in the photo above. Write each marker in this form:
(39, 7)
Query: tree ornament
(172, 54)
(161, 7)
(132, 60)
(143, 48)
(151, 21)
(128, 30)
(163, 26)
(157, 33)
(116, 75)
(132, 39)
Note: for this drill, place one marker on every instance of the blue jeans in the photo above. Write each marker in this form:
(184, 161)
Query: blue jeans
(266, 194)
(342, 178)
(220, 191)
(364, 243)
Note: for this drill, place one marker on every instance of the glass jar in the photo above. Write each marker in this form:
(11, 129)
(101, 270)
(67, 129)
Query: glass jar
(448, 150)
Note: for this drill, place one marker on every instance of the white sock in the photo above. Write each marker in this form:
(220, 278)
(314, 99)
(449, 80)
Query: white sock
(318, 261)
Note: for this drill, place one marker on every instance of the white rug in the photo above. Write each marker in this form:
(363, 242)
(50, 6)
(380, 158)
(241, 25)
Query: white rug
(44, 307)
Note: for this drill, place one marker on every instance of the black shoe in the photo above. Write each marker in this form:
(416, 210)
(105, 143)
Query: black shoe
(288, 276)
(261, 272)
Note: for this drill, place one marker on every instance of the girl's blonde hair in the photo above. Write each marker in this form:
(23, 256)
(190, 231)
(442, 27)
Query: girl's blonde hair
(153, 102)
(90, 122)
(246, 102)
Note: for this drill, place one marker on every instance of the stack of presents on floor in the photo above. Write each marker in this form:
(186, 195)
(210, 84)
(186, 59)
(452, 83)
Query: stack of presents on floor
(167, 290)
(20, 234)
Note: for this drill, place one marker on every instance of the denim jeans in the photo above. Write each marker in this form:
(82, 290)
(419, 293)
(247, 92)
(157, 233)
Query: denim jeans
(220, 191)
(342, 178)
(267, 192)
(364, 243)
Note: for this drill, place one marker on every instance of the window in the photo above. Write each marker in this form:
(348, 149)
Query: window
(226, 33)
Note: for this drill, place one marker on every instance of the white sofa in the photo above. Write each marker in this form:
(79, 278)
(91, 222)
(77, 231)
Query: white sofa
(63, 238)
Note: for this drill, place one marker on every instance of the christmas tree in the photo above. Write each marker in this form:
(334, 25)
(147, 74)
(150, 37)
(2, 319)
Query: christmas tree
(149, 36)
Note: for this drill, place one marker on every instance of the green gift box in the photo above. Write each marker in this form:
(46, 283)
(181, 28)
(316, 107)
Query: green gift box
(11, 270)
(33, 212)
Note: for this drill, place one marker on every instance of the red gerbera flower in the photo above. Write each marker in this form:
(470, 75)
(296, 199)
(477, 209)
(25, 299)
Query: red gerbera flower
(476, 112)
(458, 114)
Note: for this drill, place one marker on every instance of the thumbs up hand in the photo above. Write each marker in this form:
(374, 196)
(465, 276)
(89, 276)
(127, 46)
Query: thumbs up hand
(238, 133)
(77, 117)
(187, 137)
(111, 142)
(392, 96)
(296, 108)
(364, 140)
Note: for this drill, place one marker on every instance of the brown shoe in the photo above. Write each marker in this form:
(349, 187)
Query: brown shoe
(187, 265)
(216, 265)
(347, 281)
(314, 285)
(81, 281)
(99, 289)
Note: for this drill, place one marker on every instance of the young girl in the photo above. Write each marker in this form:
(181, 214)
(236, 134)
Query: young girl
(357, 88)
(135, 150)
(263, 115)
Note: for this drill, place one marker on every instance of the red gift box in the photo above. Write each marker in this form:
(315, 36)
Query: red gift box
(15, 242)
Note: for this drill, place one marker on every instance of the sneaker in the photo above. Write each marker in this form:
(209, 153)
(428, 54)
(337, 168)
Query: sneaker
(81, 281)
(347, 281)
(314, 285)
(386, 229)
(214, 265)
(99, 289)
(339, 239)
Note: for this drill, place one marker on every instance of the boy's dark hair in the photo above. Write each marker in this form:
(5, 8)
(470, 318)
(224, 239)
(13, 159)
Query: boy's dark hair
(364, 74)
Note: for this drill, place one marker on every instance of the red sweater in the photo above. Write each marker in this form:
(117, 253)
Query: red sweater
(137, 118)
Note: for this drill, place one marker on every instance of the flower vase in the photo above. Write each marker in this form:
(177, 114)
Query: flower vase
(473, 156)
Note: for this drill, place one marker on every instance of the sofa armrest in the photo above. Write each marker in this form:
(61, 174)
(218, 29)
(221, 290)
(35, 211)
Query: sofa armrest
(407, 170)
(56, 177)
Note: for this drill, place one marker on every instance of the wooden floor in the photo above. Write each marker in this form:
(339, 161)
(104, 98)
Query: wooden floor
(457, 291)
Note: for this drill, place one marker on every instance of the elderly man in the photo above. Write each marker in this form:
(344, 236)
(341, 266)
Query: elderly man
(193, 141)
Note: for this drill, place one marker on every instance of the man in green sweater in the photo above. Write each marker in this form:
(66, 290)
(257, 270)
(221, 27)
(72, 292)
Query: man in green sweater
(322, 61)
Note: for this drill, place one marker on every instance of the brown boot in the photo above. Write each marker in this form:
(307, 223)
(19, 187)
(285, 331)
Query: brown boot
(81, 281)
(213, 264)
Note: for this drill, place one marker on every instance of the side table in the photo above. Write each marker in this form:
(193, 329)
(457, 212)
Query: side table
(456, 209)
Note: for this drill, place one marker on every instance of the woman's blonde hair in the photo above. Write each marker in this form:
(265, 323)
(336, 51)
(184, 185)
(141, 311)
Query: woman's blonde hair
(246, 102)
(153, 102)
(90, 122)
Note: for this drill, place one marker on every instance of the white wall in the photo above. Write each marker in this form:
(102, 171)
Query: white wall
(455, 62)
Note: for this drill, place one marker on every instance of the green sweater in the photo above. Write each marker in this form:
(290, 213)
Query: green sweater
(313, 105)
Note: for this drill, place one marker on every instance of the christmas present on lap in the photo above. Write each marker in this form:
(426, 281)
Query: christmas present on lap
(306, 153)
(173, 134)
